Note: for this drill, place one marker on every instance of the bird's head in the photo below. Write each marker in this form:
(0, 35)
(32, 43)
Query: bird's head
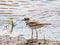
(26, 19)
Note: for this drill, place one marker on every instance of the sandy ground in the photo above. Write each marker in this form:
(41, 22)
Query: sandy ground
(29, 42)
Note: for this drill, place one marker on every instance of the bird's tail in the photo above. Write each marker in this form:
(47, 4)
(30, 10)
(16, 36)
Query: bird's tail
(47, 24)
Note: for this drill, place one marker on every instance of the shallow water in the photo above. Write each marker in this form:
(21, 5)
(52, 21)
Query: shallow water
(38, 10)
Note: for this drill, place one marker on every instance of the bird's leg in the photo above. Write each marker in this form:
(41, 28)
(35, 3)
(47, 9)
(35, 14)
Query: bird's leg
(36, 34)
(32, 35)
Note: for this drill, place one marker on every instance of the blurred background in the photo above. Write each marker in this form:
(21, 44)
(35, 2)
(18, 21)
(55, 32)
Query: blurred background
(41, 10)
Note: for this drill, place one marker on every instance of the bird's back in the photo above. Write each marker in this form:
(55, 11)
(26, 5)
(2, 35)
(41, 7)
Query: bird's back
(35, 24)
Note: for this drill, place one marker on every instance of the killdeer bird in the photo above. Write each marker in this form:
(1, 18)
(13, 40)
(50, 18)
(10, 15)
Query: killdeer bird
(33, 24)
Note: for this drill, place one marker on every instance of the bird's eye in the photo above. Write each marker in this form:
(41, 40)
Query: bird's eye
(26, 19)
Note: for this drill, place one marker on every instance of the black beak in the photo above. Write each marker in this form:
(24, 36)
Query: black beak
(22, 20)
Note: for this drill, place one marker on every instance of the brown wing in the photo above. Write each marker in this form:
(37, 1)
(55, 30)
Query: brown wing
(35, 24)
